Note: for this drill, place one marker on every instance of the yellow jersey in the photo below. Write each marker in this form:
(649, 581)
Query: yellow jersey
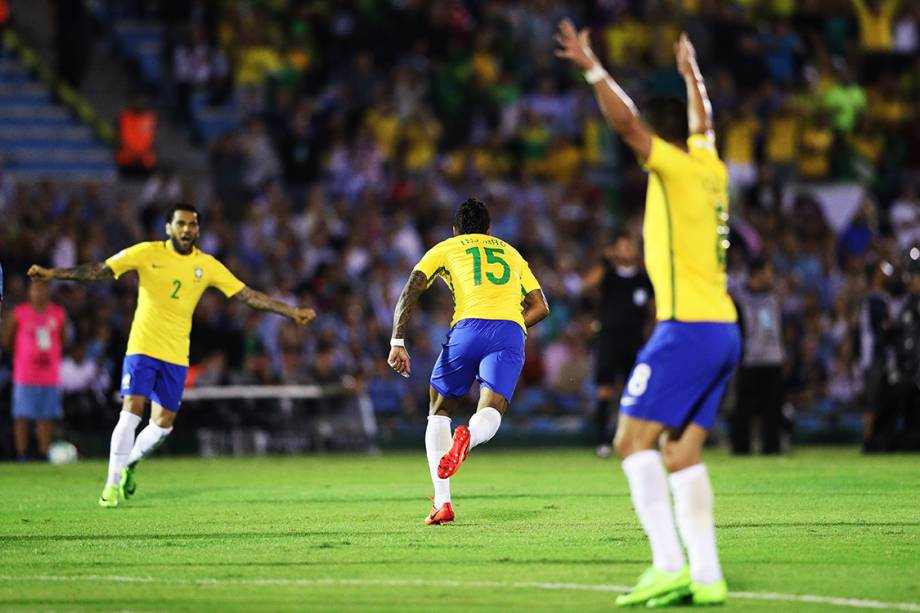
(487, 277)
(170, 286)
(685, 231)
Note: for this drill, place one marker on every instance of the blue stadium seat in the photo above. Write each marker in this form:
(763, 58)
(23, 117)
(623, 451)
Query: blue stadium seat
(39, 138)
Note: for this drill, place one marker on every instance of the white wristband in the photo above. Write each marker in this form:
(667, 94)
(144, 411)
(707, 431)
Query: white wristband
(595, 74)
(397, 342)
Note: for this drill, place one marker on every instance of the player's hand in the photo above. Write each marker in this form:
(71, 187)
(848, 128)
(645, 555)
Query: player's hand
(39, 273)
(575, 46)
(399, 361)
(686, 56)
(303, 316)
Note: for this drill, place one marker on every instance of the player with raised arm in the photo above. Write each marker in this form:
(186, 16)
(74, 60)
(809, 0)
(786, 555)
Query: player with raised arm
(173, 275)
(680, 376)
(496, 300)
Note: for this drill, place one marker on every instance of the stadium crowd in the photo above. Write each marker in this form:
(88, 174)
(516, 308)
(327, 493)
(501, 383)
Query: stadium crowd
(365, 124)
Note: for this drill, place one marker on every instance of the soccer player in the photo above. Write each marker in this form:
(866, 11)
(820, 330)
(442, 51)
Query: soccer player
(681, 373)
(173, 275)
(34, 331)
(496, 300)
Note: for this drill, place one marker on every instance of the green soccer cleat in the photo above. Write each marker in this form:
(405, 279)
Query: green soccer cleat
(697, 594)
(654, 583)
(709, 593)
(111, 496)
(128, 483)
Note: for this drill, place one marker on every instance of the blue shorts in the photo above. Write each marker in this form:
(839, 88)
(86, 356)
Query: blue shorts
(682, 372)
(36, 402)
(160, 381)
(484, 350)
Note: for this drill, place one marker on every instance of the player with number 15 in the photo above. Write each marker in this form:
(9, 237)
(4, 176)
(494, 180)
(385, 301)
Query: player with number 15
(496, 300)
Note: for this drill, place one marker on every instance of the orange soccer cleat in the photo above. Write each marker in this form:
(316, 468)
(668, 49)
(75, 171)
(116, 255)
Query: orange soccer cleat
(458, 452)
(439, 517)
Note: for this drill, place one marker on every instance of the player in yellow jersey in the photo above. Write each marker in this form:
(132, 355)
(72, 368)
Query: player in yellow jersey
(173, 275)
(496, 300)
(680, 375)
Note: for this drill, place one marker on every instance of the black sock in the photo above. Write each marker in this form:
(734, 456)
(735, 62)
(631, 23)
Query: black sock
(602, 421)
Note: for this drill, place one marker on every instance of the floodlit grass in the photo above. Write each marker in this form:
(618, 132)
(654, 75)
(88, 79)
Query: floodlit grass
(267, 534)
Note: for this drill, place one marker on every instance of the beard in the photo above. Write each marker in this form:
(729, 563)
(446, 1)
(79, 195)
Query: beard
(180, 248)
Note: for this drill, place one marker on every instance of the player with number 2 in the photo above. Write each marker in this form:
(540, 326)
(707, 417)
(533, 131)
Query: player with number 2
(173, 274)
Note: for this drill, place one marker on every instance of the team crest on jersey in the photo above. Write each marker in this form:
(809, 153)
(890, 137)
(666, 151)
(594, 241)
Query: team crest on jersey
(198, 274)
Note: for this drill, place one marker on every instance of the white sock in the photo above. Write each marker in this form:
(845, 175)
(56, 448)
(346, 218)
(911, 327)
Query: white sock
(122, 441)
(437, 442)
(693, 506)
(648, 485)
(483, 425)
(149, 439)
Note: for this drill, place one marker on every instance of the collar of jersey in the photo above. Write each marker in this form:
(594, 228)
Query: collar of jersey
(170, 249)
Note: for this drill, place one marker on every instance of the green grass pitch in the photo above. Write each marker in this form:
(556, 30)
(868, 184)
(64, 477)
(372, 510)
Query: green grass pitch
(546, 530)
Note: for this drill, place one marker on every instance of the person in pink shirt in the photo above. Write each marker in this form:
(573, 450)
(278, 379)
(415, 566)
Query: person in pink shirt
(35, 330)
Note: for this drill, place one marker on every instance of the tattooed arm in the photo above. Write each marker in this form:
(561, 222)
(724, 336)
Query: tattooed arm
(536, 308)
(99, 271)
(408, 299)
(261, 302)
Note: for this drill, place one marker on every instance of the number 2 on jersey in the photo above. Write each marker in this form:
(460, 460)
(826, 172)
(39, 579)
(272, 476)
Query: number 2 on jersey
(491, 258)
(178, 284)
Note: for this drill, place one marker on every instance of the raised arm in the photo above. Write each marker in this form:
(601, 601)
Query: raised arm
(536, 308)
(262, 302)
(399, 358)
(699, 110)
(99, 271)
(619, 110)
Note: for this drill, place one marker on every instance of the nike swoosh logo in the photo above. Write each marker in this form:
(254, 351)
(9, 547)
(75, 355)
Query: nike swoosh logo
(628, 402)
(156, 266)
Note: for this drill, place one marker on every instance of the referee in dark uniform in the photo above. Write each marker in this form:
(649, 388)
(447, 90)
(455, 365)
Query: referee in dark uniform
(626, 310)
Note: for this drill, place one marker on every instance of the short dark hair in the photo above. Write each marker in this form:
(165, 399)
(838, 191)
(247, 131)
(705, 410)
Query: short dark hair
(619, 235)
(472, 217)
(180, 206)
(667, 117)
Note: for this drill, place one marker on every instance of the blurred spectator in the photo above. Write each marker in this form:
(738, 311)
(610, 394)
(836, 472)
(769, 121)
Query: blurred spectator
(34, 332)
(760, 375)
(137, 131)
(363, 124)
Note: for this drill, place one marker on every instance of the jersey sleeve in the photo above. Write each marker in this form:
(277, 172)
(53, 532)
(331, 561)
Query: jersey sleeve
(528, 281)
(431, 263)
(665, 158)
(128, 259)
(224, 280)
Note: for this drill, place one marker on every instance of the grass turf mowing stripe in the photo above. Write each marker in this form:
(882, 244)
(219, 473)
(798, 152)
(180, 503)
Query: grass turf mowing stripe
(769, 596)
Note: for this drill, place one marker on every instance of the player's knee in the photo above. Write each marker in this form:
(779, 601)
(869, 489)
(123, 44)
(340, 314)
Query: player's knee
(163, 418)
(134, 404)
(625, 445)
(678, 457)
(441, 410)
(488, 398)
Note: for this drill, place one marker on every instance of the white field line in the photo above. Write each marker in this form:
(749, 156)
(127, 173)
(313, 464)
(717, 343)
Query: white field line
(521, 585)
